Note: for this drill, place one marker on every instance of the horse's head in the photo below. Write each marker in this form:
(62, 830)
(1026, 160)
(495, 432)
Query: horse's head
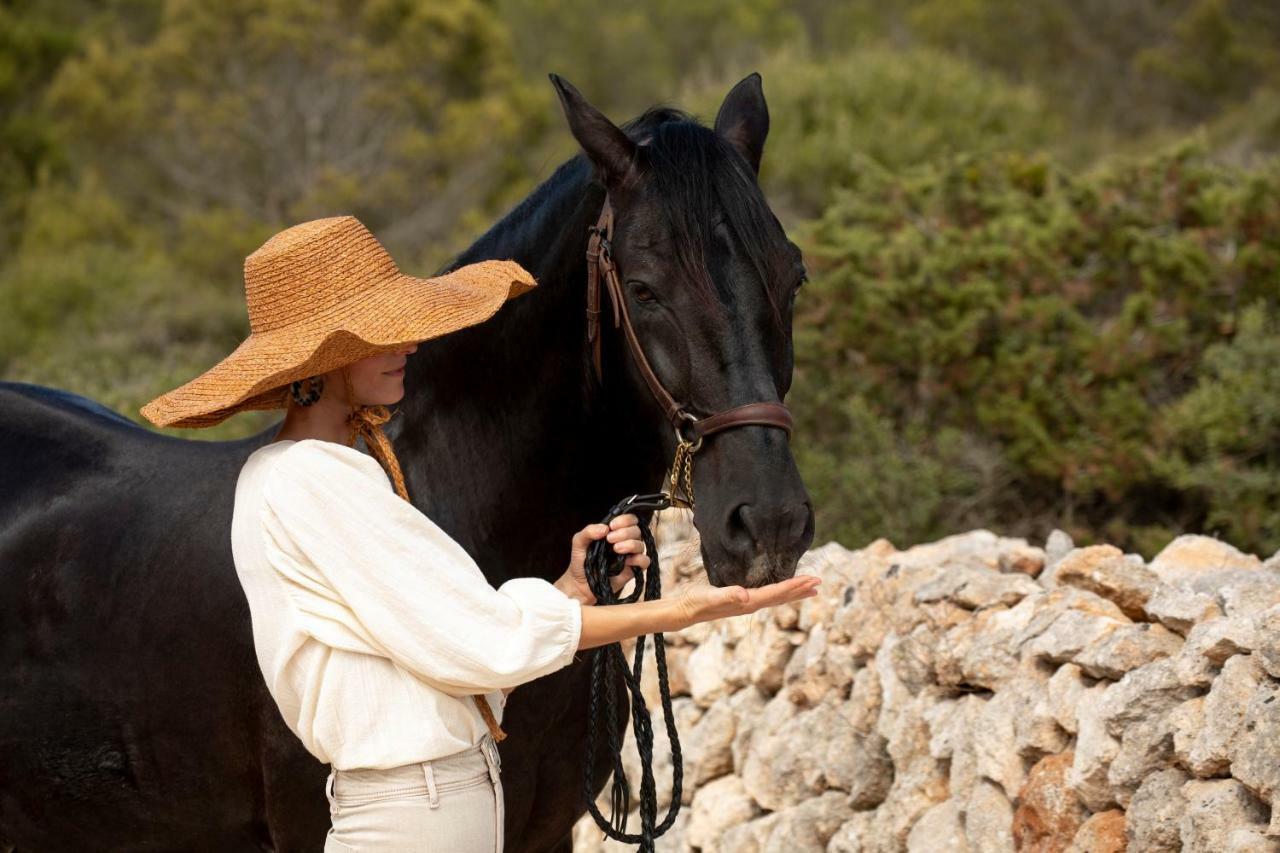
(709, 278)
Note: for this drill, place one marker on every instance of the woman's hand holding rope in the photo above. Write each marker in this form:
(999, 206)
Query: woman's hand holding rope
(624, 533)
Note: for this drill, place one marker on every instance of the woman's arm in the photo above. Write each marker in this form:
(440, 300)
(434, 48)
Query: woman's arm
(612, 624)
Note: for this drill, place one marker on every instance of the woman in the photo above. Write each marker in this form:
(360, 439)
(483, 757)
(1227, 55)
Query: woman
(387, 652)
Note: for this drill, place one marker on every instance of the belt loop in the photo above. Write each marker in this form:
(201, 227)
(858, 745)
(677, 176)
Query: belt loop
(330, 794)
(430, 773)
(489, 747)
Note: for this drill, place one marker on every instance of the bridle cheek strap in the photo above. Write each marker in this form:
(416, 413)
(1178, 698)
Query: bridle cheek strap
(600, 264)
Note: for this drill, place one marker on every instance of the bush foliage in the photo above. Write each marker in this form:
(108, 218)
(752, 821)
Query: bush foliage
(992, 338)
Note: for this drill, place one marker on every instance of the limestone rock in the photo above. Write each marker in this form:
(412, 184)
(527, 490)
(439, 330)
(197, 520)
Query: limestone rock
(1101, 833)
(1215, 809)
(1179, 609)
(973, 587)
(1057, 546)
(952, 725)
(1251, 841)
(1023, 559)
(766, 653)
(804, 828)
(994, 749)
(708, 745)
(1186, 721)
(1067, 690)
(1219, 639)
(939, 829)
(1071, 630)
(755, 717)
(1266, 632)
(854, 836)
(1190, 556)
(1209, 753)
(1078, 561)
(717, 806)
(863, 708)
(983, 651)
(988, 819)
(1146, 746)
(1255, 750)
(707, 668)
(1049, 813)
(1108, 574)
(1095, 749)
(817, 668)
(1125, 648)
(1155, 813)
(813, 751)
(1241, 592)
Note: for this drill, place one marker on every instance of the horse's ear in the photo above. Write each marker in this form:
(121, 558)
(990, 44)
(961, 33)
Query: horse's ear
(603, 141)
(743, 119)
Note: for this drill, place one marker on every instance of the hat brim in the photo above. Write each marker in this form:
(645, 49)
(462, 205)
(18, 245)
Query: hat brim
(403, 309)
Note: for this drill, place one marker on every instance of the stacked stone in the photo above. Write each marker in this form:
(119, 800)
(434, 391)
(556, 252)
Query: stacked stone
(980, 694)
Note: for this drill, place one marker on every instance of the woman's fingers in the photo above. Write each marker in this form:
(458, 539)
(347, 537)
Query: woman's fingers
(629, 546)
(627, 519)
(586, 535)
(622, 534)
(791, 589)
(622, 578)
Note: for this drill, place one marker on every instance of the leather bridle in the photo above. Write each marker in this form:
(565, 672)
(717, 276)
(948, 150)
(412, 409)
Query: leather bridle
(600, 261)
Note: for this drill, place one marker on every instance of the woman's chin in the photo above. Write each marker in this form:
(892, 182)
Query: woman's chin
(394, 393)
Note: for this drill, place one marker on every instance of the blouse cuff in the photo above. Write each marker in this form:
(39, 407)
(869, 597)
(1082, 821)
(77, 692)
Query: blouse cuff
(559, 614)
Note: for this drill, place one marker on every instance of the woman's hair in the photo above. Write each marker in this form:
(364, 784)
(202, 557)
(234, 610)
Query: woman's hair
(368, 421)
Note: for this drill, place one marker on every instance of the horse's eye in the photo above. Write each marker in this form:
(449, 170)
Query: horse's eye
(643, 293)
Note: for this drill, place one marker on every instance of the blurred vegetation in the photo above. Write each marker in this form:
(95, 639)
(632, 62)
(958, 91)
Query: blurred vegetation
(991, 337)
(1042, 236)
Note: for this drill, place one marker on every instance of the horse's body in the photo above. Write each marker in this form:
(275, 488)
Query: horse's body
(133, 715)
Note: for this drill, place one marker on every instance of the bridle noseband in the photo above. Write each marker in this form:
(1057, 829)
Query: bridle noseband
(600, 260)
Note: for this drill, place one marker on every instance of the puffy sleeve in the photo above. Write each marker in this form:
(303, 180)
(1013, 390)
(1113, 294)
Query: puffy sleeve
(369, 572)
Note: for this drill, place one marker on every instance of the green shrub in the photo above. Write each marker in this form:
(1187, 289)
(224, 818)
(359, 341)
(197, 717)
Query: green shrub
(1051, 324)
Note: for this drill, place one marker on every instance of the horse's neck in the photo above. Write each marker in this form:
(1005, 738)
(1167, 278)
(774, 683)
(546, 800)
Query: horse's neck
(502, 445)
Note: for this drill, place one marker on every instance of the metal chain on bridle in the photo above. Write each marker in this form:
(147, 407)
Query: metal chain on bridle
(602, 563)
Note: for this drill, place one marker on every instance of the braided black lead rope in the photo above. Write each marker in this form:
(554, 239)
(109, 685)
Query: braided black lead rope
(602, 563)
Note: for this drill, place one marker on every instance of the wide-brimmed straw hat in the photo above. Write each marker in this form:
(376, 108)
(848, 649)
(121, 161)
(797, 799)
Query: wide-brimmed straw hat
(321, 295)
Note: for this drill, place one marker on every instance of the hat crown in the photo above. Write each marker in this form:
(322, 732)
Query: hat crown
(305, 271)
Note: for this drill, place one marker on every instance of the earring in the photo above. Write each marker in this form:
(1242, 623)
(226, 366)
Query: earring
(315, 388)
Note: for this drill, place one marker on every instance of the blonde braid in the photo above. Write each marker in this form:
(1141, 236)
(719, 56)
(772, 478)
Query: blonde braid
(367, 421)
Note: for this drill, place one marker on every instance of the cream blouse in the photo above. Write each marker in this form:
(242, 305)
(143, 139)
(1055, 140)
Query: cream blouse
(371, 625)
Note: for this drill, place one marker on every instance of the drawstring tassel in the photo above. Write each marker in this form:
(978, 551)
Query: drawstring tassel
(367, 421)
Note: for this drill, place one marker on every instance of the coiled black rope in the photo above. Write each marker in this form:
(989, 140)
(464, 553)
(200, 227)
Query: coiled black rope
(602, 563)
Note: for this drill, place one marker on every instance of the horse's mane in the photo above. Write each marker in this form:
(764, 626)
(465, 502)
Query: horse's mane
(702, 182)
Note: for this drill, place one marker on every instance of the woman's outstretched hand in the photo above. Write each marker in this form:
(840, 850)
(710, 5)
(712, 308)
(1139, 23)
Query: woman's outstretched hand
(624, 533)
(704, 603)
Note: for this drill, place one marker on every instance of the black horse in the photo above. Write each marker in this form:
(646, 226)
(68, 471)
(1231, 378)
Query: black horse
(133, 715)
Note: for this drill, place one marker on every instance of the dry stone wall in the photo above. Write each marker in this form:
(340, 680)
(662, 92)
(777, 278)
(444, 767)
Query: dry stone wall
(979, 694)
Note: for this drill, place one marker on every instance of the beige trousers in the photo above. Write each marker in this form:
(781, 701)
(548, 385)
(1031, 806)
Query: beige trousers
(447, 805)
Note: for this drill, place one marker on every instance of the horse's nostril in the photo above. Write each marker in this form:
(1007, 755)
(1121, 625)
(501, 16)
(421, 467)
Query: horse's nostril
(738, 529)
(751, 530)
